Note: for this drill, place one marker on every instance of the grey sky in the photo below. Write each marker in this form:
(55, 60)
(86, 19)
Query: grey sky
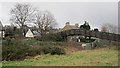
(96, 13)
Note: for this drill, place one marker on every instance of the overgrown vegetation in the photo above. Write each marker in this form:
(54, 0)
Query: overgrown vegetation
(14, 50)
(97, 57)
(51, 37)
(18, 49)
(52, 50)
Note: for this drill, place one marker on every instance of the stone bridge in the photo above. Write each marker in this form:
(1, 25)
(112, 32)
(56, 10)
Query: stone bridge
(91, 33)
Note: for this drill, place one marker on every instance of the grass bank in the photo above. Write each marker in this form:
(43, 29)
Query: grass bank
(97, 57)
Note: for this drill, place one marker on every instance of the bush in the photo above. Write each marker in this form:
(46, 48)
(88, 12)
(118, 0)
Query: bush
(58, 51)
(18, 49)
(51, 37)
(52, 50)
(103, 43)
(33, 51)
(14, 51)
(30, 41)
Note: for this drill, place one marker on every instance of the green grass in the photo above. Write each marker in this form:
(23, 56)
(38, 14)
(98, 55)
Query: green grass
(97, 57)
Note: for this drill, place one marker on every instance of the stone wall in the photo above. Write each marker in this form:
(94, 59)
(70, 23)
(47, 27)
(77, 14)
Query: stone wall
(97, 34)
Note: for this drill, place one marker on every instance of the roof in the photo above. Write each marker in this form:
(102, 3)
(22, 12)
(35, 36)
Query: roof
(29, 34)
(68, 27)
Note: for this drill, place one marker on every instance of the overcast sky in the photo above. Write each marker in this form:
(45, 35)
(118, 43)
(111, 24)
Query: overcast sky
(96, 13)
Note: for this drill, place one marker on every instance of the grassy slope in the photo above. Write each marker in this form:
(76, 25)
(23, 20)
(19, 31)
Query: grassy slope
(97, 57)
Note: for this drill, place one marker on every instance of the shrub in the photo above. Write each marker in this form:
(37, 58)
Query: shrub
(30, 41)
(19, 49)
(58, 51)
(52, 50)
(14, 51)
(51, 37)
(33, 51)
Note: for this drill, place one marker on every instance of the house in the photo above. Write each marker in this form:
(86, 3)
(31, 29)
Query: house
(1, 30)
(31, 31)
(29, 34)
(69, 27)
(35, 31)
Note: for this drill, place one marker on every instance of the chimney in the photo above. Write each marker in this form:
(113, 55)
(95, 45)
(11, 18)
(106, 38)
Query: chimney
(76, 25)
(67, 23)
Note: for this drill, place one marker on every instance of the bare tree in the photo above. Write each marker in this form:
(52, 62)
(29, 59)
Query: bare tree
(22, 14)
(44, 21)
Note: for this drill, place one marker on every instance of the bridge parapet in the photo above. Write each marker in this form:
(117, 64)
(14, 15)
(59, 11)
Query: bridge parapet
(97, 34)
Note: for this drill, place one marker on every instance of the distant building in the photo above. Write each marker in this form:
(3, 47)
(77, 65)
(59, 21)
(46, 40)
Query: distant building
(34, 30)
(1, 30)
(69, 27)
(29, 34)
